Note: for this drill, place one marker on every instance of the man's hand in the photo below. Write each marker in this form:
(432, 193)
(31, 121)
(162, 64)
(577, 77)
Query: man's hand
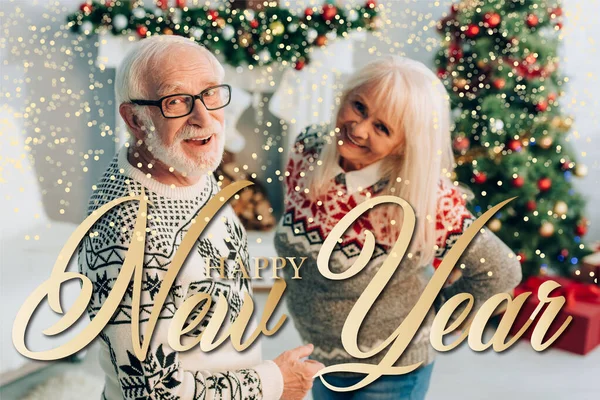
(297, 374)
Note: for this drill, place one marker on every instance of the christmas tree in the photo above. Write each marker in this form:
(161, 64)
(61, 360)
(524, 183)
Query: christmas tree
(499, 63)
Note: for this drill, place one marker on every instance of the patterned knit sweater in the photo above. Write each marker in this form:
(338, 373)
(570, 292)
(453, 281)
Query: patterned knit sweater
(320, 306)
(166, 374)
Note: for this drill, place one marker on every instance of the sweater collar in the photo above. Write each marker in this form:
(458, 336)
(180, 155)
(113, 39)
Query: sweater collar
(360, 179)
(171, 191)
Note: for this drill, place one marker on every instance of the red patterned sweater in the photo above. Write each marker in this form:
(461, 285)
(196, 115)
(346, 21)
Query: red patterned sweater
(319, 306)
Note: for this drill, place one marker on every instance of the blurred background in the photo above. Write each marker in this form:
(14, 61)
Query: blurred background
(59, 130)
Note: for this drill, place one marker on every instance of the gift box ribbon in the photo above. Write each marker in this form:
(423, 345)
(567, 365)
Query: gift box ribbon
(573, 292)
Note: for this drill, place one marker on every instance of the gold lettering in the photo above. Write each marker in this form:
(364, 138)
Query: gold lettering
(258, 266)
(132, 266)
(482, 317)
(296, 267)
(176, 328)
(438, 328)
(277, 267)
(210, 267)
(242, 269)
(554, 306)
(401, 338)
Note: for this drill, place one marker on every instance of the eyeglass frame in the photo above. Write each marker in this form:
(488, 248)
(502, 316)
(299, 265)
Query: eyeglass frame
(199, 96)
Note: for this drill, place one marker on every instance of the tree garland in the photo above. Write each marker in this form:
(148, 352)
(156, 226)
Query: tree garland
(238, 37)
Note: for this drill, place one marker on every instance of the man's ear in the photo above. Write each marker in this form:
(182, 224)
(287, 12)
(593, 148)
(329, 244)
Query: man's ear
(133, 122)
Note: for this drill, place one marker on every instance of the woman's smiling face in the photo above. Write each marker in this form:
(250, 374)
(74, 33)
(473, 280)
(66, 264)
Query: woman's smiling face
(365, 134)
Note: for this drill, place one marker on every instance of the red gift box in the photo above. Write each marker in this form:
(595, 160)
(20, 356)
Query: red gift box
(590, 268)
(583, 304)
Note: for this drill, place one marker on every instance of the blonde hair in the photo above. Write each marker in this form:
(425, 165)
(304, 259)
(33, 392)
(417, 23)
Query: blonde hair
(412, 100)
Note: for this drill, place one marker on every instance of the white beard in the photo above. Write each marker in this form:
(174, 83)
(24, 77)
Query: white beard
(174, 156)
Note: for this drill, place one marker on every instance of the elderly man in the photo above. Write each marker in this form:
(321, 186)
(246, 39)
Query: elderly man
(171, 95)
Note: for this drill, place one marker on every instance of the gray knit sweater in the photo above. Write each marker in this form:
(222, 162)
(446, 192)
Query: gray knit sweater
(319, 306)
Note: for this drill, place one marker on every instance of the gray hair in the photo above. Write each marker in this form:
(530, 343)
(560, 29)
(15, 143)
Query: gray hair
(146, 55)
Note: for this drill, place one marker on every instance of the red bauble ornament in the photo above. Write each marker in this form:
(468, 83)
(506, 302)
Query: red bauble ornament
(518, 182)
(564, 253)
(580, 230)
(162, 4)
(461, 143)
(254, 24)
(531, 59)
(559, 25)
(532, 20)
(521, 257)
(321, 40)
(492, 19)
(299, 65)
(515, 145)
(141, 30)
(213, 14)
(329, 12)
(479, 178)
(499, 83)
(557, 12)
(521, 69)
(541, 106)
(86, 8)
(180, 3)
(455, 51)
(454, 8)
(531, 205)
(472, 30)
(308, 12)
(565, 165)
(441, 73)
(371, 4)
(544, 184)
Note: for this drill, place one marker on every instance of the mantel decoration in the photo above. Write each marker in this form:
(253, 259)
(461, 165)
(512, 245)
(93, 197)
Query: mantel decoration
(240, 37)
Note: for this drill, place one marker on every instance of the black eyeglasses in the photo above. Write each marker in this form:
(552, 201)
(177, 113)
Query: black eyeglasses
(180, 105)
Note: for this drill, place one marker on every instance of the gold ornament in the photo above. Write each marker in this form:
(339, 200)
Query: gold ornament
(220, 22)
(562, 124)
(581, 170)
(561, 208)
(321, 40)
(460, 83)
(245, 39)
(167, 31)
(566, 125)
(481, 64)
(266, 37)
(546, 142)
(277, 28)
(494, 225)
(375, 23)
(547, 229)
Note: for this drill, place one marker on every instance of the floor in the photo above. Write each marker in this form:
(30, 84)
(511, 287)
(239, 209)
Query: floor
(518, 373)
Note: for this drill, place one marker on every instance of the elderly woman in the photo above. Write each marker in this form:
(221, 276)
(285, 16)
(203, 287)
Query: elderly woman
(390, 136)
